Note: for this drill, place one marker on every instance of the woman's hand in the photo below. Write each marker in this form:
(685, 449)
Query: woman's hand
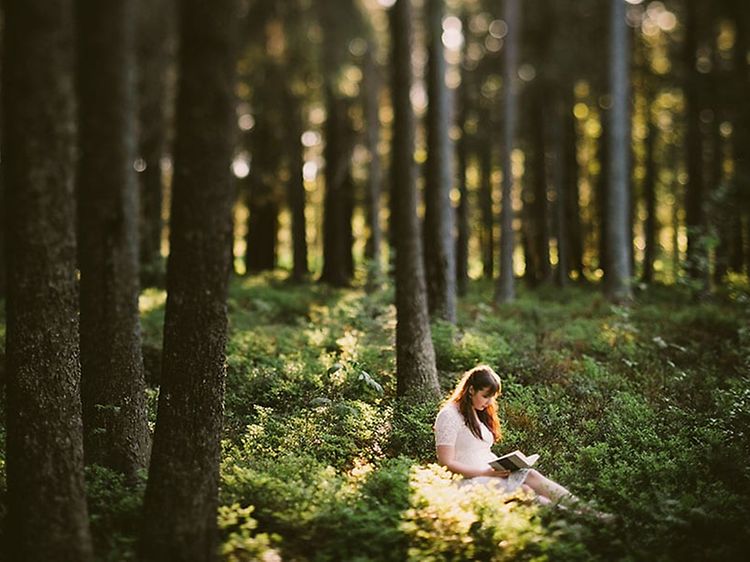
(503, 473)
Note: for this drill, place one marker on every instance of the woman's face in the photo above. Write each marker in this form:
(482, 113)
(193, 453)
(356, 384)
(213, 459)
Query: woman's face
(480, 399)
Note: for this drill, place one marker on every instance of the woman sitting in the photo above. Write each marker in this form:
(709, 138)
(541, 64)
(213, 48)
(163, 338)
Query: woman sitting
(467, 426)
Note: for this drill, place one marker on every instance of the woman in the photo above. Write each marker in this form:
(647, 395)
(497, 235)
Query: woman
(467, 426)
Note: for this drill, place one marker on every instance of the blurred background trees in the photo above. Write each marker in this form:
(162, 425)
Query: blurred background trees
(437, 141)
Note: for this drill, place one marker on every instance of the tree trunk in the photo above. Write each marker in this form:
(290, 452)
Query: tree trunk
(572, 209)
(415, 356)
(439, 247)
(263, 223)
(296, 191)
(739, 258)
(487, 230)
(537, 214)
(155, 38)
(618, 230)
(602, 191)
(338, 199)
(373, 249)
(182, 493)
(47, 517)
(113, 389)
(694, 194)
(505, 288)
(649, 195)
(462, 158)
(560, 182)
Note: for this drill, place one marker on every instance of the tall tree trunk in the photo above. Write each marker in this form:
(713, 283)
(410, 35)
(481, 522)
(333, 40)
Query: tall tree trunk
(649, 196)
(338, 197)
(538, 220)
(618, 231)
(602, 191)
(740, 12)
(487, 229)
(182, 493)
(415, 356)
(296, 190)
(113, 390)
(560, 182)
(373, 249)
(462, 158)
(262, 224)
(572, 209)
(439, 247)
(154, 46)
(47, 517)
(694, 194)
(264, 143)
(505, 288)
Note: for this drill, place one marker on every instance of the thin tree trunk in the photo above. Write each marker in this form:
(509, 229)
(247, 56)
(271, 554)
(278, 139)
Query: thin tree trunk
(415, 356)
(47, 517)
(560, 183)
(439, 247)
(113, 389)
(649, 195)
(538, 228)
(505, 288)
(572, 209)
(462, 158)
(740, 259)
(181, 498)
(602, 191)
(694, 194)
(618, 231)
(262, 225)
(336, 202)
(487, 231)
(296, 191)
(373, 250)
(155, 38)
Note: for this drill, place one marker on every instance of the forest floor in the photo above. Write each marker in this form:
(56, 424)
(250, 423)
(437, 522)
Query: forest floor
(644, 411)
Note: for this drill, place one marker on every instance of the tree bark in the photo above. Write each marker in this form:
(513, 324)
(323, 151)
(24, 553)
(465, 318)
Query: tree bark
(537, 213)
(697, 261)
(560, 182)
(487, 228)
(739, 260)
(154, 53)
(572, 209)
(47, 517)
(505, 288)
(373, 250)
(439, 247)
(602, 191)
(415, 356)
(462, 159)
(182, 493)
(338, 198)
(617, 286)
(113, 389)
(649, 195)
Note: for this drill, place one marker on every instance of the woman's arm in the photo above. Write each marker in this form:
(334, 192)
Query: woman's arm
(446, 455)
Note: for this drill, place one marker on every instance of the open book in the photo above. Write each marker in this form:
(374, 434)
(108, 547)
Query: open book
(514, 461)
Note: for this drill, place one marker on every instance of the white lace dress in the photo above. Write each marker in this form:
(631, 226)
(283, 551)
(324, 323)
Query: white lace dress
(450, 429)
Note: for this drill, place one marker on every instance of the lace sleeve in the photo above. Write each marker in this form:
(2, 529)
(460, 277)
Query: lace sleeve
(447, 424)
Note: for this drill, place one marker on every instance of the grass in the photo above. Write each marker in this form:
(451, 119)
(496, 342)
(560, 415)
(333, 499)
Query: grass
(642, 410)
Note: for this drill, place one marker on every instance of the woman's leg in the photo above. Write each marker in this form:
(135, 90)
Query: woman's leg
(545, 487)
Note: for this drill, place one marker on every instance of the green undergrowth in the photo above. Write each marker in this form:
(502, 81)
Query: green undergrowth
(642, 410)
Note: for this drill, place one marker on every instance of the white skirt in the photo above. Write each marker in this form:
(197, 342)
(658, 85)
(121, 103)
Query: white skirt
(509, 485)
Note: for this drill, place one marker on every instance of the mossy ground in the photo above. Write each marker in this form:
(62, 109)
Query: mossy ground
(642, 410)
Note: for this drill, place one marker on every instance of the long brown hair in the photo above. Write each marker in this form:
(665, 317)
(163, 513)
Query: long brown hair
(480, 378)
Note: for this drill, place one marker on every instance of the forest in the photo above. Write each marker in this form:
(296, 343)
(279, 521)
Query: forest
(248, 247)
